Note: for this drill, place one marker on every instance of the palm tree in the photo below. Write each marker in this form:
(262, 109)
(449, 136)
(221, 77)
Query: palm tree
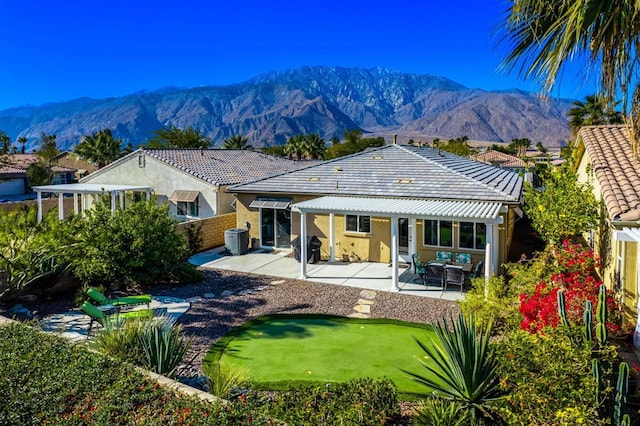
(100, 148)
(236, 142)
(542, 36)
(5, 140)
(174, 137)
(594, 111)
(23, 143)
(296, 147)
(48, 148)
(315, 146)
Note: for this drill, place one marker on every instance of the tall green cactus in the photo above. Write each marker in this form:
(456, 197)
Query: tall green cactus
(587, 328)
(622, 388)
(562, 308)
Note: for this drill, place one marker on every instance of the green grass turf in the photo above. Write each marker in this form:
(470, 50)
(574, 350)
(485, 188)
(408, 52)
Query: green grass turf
(284, 350)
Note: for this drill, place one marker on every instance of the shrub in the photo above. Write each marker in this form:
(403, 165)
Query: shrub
(500, 305)
(120, 340)
(49, 380)
(162, 345)
(357, 402)
(547, 379)
(224, 380)
(441, 412)
(138, 245)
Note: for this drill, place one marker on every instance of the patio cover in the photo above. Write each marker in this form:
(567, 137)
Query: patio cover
(84, 189)
(478, 211)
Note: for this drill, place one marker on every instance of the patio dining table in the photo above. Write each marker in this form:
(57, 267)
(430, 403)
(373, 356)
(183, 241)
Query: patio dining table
(466, 267)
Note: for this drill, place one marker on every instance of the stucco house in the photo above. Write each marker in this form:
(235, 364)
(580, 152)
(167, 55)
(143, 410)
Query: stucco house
(385, 204)
(606, 160)
(192, 181)
(505, 161)
(14, 181)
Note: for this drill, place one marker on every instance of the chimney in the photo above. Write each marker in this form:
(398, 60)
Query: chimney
(395, 139)
(202, 151)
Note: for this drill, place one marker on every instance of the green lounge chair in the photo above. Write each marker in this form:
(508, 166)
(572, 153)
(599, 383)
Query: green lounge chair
(101, 299)
(97, 315)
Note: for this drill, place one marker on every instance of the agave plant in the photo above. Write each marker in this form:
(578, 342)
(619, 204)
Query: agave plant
(163, 346)
(440, 412)
(222, 381)
(461, 366)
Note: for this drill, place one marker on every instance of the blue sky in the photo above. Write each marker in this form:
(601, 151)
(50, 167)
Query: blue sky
(55, 51)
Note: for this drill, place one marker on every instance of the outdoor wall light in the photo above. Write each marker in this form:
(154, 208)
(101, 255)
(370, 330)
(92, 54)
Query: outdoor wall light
(247, 225)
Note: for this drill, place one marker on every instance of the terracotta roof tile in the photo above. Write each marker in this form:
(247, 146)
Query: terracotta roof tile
(499, 159)
(612, 160)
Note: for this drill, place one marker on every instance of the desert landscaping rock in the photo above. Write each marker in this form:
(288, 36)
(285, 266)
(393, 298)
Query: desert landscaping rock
(363, 309)
(365, 302)
(193, 299)
(208, 296)
(368, 294)
(226, 293)
(276, 282)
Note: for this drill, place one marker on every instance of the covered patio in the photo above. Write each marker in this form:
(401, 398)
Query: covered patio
(84, 190)
(394, 208)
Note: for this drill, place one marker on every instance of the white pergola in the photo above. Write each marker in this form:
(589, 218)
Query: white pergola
(487, 212)
(85, 189)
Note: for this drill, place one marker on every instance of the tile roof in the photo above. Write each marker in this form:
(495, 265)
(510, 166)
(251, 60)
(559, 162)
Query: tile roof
(499, 159)
(397, 171)
(218, 166)
(612, 160)
(19, 163)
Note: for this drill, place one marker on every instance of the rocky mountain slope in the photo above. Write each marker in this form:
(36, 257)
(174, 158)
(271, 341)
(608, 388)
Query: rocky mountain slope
(327, 100)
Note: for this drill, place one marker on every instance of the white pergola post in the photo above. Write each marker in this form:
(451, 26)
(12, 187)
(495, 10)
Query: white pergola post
(413, 244)
(121, 199)
(114, 194)
(75, 203)
(332, 238)
(84, 205)
(61, 206)
(394, 254)
(303, 246)
(496, 249)
(39, 197)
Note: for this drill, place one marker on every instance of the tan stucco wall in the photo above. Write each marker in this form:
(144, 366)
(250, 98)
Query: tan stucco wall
(163, 178)
(373, 247)
(211, 229)
(627, 292)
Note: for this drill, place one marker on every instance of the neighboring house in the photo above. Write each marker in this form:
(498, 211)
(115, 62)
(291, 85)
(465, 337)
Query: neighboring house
(14, 182)
(72, 161)
(505, 161)
(192, 181)
(385, 204)
(607, 162)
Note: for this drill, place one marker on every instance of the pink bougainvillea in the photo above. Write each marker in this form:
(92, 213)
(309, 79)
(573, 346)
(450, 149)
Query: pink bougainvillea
(577, 278)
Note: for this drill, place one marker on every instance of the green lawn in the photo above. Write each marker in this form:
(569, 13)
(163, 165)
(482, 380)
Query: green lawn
(283, 350)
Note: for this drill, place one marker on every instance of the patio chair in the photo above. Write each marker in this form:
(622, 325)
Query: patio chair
(477, 270)
(418, 268)
(453, 275)
(435, 274)
(101, 299)
(443, 256)
(101, 317)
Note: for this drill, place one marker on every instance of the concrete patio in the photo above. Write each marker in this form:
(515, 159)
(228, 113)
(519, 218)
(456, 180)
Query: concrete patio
(366, 275)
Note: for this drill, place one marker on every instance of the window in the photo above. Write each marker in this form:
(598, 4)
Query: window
(472, 235)
(187, 208)
(355, 223)
(438, 233)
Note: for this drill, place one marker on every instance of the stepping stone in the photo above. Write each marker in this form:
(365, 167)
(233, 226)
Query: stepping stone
(365, 302)
(226, 293)
(278, 282)
(209, 296)
(262, 287)
(243, 292)
(368, 294)
(358, 315)
(363, 309)
(194, 299)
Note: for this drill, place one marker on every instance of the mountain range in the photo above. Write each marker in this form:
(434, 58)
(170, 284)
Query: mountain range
(272, 107)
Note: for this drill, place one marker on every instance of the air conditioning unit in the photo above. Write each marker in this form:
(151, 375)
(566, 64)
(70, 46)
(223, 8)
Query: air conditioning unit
(236, 240)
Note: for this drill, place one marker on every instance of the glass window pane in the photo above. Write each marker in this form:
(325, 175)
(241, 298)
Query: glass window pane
(481, 236)
(466, 235)
(430, 232)
(365, 224)
(446, 234)
(351, 223)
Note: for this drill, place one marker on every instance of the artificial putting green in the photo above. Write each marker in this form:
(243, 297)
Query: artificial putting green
(283, 350)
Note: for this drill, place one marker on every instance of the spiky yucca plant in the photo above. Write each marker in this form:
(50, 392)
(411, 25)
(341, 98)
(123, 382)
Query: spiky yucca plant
(163, 346)
(460, 366)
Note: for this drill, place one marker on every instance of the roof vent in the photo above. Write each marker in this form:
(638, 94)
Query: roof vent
(337, 169)
(378, 157)
(313, 179)
(404, 181)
